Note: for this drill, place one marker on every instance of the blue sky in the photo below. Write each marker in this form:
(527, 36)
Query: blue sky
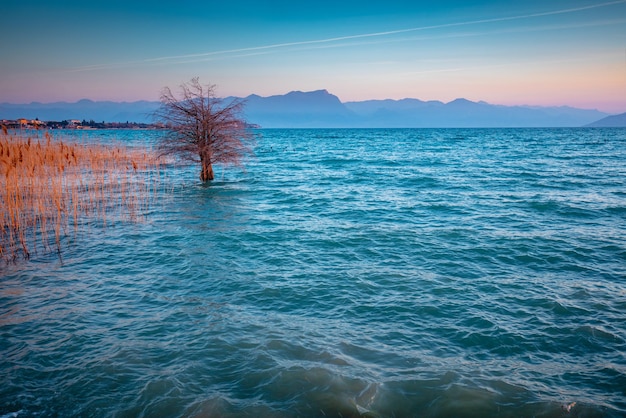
(533, 52)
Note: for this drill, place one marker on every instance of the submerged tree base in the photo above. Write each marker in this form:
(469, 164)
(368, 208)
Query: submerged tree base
(207, 173)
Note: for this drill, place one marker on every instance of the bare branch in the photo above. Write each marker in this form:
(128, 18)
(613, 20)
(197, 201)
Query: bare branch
(204, 128)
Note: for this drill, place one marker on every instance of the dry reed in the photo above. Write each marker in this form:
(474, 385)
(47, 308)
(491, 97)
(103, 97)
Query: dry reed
(48, 185)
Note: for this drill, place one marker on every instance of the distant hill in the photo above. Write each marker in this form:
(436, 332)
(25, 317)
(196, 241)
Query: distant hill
(614, 121)
(462, 113)
(321, 109)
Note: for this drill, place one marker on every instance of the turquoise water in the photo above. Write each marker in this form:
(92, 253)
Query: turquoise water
(344, 273)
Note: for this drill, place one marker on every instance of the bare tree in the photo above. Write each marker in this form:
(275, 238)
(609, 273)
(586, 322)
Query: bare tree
(204, 128)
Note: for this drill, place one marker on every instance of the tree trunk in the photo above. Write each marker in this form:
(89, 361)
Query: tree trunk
(207, 172)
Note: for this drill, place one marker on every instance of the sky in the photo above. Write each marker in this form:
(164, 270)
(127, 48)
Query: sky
(532, 52)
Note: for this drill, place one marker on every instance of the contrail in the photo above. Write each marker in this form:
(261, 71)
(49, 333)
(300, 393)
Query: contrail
(393, 32)
(344, 38)
(204, 58)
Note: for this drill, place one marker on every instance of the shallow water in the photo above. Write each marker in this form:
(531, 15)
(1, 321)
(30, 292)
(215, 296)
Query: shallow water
(343, 273)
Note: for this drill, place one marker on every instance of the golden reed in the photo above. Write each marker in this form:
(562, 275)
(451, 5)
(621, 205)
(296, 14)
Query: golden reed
(48, 185)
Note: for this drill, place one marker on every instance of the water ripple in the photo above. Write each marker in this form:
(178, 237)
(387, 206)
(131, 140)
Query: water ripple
(344, 273)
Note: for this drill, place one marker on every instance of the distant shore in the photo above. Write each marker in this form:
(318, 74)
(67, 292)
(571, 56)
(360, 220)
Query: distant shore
(23, 123)
(84, 125)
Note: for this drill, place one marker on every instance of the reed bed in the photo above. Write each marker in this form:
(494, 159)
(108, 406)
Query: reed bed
(50, 187)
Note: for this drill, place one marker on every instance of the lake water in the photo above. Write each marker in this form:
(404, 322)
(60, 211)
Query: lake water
(344, 273)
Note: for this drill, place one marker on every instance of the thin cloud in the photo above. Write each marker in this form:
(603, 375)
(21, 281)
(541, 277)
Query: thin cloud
(597, 57)
(259, 50)
(345, 44)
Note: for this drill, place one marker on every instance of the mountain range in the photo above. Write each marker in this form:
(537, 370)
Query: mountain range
(321, 109)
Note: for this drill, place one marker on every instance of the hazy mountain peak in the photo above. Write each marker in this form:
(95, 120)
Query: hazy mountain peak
(461, 101)
(315, 95)
(313, 92)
